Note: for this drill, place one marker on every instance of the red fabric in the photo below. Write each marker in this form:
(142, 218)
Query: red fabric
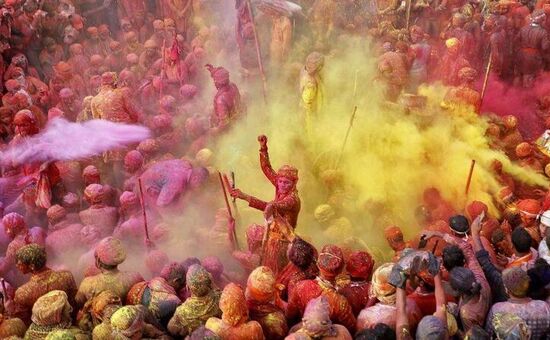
(357, 294)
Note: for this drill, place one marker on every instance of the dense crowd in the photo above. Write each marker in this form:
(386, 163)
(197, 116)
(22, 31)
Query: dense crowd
(68, 224)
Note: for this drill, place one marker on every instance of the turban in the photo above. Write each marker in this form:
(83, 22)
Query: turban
(289, 172)
(63, 67)
(14, 221)
(324, 213)
(94, 193)
(173, 271)
(167, 101)
(467, 73)
(12, 85)
(380, 287)
(393, 233)
(505, 194)
(431, 327)
(24, 117)
(219, 74)
(110, 251)
(52, 309)
(56, 213)
(66, 93)
(545, 218)
(475, 209)
(331, 259)
(101, 301)
(127, 322)
(155, 260)
(529, 207)
(233, 305)
(510, 121)
(148, 146)
(452, 42)
(213, 265)
(509, 326)
(314, 61)
(128, 199)
(108, 78)
(188, 91)
(132, 58)
(261, 284)
(32, 255)
(360, 265)
(92, 30)
(127, 75)
(203, 157)
(13, 327)
(96, 60)
(162, 121)
(316, 321)
(523, 149)
(150, 44)
(90, 170)
(77, 22)
(199, 280)
(459, 224)
(516, 281)
(70, 200)
(158, 24)
(133, 159)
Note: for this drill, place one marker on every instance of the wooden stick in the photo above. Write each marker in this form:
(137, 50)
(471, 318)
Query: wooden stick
(163, 71)
(142, 201)
(258, 50)
(486, 79)
(224, 182)
(470, 176)
(408, 14)
(346, 137)
(265, 240)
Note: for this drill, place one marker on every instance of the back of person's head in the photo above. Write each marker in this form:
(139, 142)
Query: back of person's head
(521, 240)
(431, 328)
(509, 326)
(516, 281)
(463, 281)
(380, 331)
(453, 257)
(539, 277)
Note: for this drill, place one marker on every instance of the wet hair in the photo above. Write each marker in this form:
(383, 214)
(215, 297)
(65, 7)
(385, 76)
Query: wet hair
(301, 253)
(521, 240)
(463, 281)
(453, 257)
(380, 331)
(459, 224)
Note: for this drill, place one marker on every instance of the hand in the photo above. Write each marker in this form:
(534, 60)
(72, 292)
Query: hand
(429, 234)
(502, 260)
(476, 224)
(263, 141)
(236, 193)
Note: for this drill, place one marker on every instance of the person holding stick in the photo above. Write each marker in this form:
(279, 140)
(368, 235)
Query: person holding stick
(281, 213)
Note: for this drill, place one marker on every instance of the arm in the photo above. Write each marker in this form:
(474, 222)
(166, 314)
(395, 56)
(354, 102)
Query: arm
(264, 161)
(440, 299)
(402, 321)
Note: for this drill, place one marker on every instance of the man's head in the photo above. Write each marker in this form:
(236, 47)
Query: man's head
(67, 96)
(287, 178)
(174, 274)
(516, 282)
(521, 240)
(93, 33)
(56, 214)
(25, 123)
(301, 253)
(330, 261)
(91, 175)
(109, 253)
(394, 236)
(453, 257)
(453, 46)
(459, 225)
(14, 224)
(220, 76)
(30, 258)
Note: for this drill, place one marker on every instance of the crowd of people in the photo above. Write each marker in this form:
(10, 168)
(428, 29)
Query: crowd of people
(481, 272)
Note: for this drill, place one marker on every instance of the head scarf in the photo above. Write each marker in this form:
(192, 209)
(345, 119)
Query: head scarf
(516, 281)
(509, 326)
(56, 213)
(260, 284)
(331, 259)
(128, 199)
(316, 320)
(100, 302)
(127, 322)
(233, 305)
(94, 193)
(360, 265)
(52, 309)
(133, 159)
(431, 327)
(110, 251)
(15, 222)
(198, 280)
(380, 287)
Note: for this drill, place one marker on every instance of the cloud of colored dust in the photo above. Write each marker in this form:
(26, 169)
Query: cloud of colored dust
(390, 158)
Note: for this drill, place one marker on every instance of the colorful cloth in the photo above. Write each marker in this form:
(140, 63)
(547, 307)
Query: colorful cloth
(157, 296)
(535, 313)
(114, 280)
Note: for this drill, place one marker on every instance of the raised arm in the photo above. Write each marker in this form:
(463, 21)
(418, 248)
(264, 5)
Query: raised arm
(264, 161)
